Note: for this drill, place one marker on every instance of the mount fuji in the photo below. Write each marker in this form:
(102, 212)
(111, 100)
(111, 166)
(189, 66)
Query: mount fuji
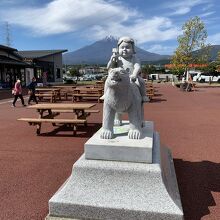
(100, 52)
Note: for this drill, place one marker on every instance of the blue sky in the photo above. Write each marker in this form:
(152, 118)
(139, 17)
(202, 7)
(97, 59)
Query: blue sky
(72, 24)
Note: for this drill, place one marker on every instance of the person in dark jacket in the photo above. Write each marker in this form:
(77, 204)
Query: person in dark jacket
(31, 91)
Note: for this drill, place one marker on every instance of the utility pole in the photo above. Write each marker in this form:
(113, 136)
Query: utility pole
(7, 34)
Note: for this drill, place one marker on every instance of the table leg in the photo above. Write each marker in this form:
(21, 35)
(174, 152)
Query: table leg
(80, 114)
(74, 130)
(41, 112)
(38, 128)
(51, 116)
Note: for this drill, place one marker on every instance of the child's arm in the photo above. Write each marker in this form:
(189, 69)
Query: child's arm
(137, 69)
(110, 63)
(113, 60)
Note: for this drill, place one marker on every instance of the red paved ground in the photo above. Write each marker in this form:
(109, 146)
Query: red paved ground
(32, 167)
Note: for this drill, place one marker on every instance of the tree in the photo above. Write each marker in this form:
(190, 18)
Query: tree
(192, 48)
(213, 66)
(148, 69)
(218, 62)
(74, 72)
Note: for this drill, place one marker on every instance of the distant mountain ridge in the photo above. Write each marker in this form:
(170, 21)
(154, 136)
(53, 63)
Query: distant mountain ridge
(214, 49)
(100, 52)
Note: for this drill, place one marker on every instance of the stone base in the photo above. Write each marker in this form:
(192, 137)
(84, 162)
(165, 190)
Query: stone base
(120, 190)
(121, 148)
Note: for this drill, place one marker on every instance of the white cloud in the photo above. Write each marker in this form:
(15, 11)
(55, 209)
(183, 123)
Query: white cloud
(155, 29)
(207, 14)
(160, 49)
(184, 7)
(61, 16)
(214, 39)
(94, 19)
(15, 2)
(207, 7)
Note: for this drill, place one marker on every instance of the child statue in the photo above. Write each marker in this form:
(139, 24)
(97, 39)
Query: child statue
(125, 57)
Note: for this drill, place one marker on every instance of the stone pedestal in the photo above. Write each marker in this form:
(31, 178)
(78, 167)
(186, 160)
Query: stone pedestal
(121, 148)
(109, 189)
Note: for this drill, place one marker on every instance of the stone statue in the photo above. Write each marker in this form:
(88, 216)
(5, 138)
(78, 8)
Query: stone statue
(125, 67)
(121, 95)
(123, 57)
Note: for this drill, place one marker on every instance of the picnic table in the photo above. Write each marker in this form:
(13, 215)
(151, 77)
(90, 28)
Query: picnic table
(48, 92)
(65, 90)
(150, 90)
(87, 93)
(48, 112)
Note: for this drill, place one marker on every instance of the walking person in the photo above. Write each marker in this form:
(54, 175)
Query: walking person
(17, 92)
(31, 91)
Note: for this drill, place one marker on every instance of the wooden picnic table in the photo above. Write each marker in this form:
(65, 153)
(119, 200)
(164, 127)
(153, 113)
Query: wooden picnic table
(64, 87)
(47, 89)
(65, 90)
(48, 92)
(48, 112)
(87, 89)
(77, 108)
(83, 92)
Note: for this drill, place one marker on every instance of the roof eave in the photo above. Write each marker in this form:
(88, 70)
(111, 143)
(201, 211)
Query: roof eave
(61, 51)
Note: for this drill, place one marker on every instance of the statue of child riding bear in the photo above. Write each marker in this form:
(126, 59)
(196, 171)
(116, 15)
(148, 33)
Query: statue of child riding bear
(124, 91)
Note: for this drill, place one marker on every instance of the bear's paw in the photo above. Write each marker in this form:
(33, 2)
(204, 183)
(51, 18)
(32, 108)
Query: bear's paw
(134, 134)
(106, 134)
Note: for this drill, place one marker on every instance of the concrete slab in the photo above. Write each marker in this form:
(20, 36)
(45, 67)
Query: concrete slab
(121, 148)
(120, 190)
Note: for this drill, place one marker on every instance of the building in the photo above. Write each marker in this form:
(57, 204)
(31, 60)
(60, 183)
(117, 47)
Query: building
(12, 67)
(87, 70)
(45, 65)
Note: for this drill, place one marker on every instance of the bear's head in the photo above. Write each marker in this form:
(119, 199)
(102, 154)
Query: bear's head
(118, 77)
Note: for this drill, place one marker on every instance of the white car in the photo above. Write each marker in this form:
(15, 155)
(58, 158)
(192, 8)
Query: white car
(205, 77)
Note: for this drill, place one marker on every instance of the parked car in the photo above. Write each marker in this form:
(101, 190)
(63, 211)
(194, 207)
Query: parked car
(206, 77)
(69, 80)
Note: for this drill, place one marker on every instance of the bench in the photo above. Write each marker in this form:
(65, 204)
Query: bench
(87, 112)
(70, 111)
(51, 96)
(65, 92)
(37, 121)
(79, 96)
(150, 95)
(150, 90)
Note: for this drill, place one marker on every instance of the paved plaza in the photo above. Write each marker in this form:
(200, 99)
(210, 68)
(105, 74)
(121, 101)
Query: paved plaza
(32, 168)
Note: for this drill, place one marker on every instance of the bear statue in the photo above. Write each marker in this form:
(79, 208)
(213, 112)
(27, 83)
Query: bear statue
(121, 95)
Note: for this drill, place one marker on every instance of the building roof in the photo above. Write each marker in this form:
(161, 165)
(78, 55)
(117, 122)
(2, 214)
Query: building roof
(3, 47)
(10, 50)
(11, 61)
(39, 53)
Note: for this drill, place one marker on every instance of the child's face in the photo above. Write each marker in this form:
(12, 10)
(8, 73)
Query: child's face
(125, 49)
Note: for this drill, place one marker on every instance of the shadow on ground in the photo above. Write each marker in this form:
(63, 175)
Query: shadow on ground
(82, 131)
(157, 94)
(157, 100)
(196, 181)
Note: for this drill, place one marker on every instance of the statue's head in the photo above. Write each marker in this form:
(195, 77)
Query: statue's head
(126, 47)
